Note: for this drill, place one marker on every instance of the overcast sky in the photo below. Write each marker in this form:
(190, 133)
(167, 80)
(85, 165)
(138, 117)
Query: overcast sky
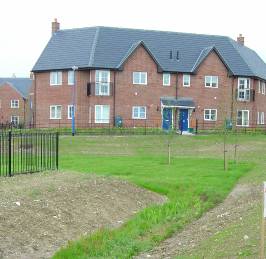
(25, 25)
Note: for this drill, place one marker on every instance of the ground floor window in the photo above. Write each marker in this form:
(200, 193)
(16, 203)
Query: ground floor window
(70, 110)
(242, 118)
(102, 113)
(55, 112)
(15, 119)
(138, 112)
(260, 119)
(210, 114)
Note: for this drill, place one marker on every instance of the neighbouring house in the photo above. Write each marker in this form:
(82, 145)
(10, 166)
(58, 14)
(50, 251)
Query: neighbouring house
(16, 101)
(142, 77)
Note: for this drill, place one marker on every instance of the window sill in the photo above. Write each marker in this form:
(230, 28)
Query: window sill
(55, 118)
(139, 118)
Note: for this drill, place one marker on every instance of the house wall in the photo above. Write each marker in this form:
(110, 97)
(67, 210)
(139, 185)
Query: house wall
(8, 93)
(127, 95)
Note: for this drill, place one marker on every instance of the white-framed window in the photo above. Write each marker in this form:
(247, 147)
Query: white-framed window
(70, 109)
(166, 79)
(243, 90)
(210, 114)
(14, 119)
(71, 77)
(102, 82)
(56, 78)
(102, 113)
(186, 80)
(14, 104)
(263, 87)
(242, 118)
(139, 112)
(55, 112)
(260, 119)
(211, 81)
(259, 86)
(140, 78)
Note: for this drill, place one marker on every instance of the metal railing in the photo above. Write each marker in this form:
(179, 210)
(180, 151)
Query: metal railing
(28, 152)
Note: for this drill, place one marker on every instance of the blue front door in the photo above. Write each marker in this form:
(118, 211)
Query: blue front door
(167, 118)
(183, 119)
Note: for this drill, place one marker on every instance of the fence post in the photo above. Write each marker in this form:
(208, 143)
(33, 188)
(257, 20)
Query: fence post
(57, 150)
(197, 125)
(145, 132)
(9, 153)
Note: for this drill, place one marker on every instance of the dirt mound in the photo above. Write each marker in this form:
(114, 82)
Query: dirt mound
(39, 213)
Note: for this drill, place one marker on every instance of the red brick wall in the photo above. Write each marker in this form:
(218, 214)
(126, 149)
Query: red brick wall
(128, 95)
(8, 93)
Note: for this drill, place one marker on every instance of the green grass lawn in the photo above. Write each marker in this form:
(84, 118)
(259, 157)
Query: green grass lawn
(194, 182)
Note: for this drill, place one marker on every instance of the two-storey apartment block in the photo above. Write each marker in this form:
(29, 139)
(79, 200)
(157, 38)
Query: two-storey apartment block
(153, 78)
(16, 101)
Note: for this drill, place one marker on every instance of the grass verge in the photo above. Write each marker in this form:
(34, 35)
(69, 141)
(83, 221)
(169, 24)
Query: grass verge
(192, 185)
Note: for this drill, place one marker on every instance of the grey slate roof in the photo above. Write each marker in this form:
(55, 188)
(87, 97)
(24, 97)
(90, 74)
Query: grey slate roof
(179, 102)
(22, 85)
(107, 47)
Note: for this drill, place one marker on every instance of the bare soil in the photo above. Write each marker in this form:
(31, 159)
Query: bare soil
(242, 199)
(40, 213)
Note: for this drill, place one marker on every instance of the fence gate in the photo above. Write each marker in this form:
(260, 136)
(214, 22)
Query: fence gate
(28, 152)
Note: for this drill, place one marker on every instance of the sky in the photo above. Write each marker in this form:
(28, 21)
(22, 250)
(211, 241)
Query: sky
(25, 25)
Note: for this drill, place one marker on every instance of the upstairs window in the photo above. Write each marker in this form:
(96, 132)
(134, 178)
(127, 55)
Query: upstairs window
(186, 80)
(243, 91)
(211, 81)
(71, 77)
(14, 104)
(102, 82)
(139, 112)
(210, 114)
(242, 118)
(140, 78)
(166, 79)
(261, 87)
(56, 78)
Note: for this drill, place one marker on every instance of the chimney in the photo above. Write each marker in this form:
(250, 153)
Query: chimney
(55, 26)
(241, 39)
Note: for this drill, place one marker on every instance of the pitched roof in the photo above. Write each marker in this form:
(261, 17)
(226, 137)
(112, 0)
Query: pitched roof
(107, 47)
(22, 85)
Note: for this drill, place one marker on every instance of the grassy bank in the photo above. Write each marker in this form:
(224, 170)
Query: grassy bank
(192, 183)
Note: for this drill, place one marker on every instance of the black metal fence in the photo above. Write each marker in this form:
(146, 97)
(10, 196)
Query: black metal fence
(28, 152)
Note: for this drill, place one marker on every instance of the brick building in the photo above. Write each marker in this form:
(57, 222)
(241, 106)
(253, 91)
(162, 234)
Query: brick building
(16, 101)
(152, 78)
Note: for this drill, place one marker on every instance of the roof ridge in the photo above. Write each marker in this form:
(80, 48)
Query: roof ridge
(93, 47)
(14, 87)
(199, 58)
(147, 30)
